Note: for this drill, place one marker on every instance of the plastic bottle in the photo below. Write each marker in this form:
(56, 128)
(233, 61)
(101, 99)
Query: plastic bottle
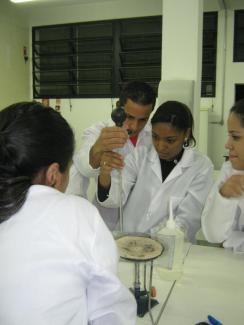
(170, 264)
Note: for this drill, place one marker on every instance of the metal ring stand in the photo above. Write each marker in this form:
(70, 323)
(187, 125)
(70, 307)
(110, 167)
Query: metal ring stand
(139, 249)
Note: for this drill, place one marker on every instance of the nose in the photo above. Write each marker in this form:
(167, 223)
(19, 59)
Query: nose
(228, 144)
(133, 125)
(161, 146)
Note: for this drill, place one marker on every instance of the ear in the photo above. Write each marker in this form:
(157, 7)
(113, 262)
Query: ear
(53, 175)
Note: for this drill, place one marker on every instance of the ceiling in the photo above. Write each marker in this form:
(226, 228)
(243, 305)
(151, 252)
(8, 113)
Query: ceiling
(215, 4)
(41, 3)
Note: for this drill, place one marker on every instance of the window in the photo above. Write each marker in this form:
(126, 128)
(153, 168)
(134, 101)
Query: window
(239, 36)
(93, 60)
(239, 92)
(210, 21)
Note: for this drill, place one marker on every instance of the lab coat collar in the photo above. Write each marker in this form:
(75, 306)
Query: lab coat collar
(185, 162)
(145, 132)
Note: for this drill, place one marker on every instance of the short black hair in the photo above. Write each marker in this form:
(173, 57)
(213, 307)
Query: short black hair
(139, 92)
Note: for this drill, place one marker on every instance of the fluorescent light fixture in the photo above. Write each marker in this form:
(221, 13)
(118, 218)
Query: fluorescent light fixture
(18, 1)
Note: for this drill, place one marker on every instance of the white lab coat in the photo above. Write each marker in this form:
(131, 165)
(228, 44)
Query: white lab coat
(58, 265)
(146, 197)
(223, 218)
(78, 183)
(82, 170)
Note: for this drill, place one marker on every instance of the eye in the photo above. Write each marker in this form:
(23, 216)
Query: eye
(154, 136)
(171, 140)
(129, 117)
(236, 137)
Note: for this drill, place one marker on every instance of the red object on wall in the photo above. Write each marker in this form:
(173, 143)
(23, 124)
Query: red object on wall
(45, 102)
(58, 105)
(25, 54)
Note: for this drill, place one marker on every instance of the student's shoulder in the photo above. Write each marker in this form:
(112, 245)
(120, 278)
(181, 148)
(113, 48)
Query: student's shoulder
(76, 202)
(200, 157)
(72, 206)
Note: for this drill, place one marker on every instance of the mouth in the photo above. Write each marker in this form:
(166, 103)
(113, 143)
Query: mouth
(163, 155)
(232, 157)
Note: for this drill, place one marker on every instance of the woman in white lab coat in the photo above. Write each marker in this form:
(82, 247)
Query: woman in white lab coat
(170, 168)
(223, 215)
(58, 259)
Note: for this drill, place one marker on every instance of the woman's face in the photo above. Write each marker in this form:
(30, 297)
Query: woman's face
(168, 141)
(235, 142)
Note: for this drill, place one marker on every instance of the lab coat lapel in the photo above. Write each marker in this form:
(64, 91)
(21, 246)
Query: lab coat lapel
(155, 163)
(185, 162)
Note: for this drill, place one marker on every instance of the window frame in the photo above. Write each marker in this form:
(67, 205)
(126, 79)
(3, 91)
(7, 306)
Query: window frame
(127, 59)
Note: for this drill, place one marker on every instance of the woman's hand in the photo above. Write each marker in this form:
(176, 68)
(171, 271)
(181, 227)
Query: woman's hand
(110, 160)
(233, 187)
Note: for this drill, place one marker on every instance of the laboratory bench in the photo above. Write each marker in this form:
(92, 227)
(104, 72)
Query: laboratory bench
(212, 283)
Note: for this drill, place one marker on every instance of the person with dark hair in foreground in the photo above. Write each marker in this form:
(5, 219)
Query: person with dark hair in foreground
(151, 176)
(58, 259)
(223, 215)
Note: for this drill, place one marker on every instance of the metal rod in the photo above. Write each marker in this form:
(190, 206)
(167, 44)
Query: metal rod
(145, 276)
(165, 303)
(137, 281)
(120, 203)
(149, 294)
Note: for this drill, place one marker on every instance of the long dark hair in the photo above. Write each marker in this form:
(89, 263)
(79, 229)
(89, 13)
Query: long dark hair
(178, 115)
(31, 138)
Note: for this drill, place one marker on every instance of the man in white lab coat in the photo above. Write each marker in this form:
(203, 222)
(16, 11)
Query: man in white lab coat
(151, 176)
(138, 100)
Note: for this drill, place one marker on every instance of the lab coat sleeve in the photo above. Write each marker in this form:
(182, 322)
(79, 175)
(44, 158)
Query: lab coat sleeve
(219, 218)
(81, 158)
(127, 178)
(78, 183)
(188, 214)
(109, 301)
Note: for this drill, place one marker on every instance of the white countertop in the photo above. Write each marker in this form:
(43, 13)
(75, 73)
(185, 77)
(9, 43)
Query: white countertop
(212, 283)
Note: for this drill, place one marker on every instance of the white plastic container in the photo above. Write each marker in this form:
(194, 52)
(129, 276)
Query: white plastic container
(170, 264)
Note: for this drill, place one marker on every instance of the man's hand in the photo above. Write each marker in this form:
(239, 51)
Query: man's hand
(233, 187)
(110, 138)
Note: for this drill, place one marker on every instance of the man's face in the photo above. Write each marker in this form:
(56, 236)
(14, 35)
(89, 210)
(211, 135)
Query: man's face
(137, 116)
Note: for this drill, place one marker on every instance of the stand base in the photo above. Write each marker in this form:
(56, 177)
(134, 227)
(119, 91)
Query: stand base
(143, 302)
